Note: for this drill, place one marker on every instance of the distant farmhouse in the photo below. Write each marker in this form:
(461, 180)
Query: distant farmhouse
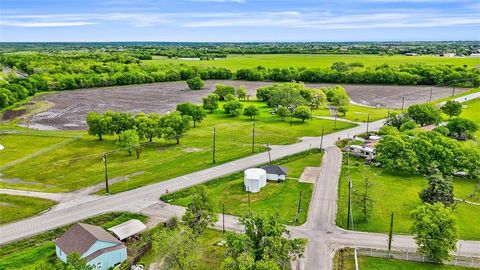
(411, 54)
(98, 247)
(275, 172)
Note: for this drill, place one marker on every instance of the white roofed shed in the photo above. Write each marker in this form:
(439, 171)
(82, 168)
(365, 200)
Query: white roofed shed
(128, 228)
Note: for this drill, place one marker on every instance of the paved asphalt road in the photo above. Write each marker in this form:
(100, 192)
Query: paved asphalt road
(138, 199)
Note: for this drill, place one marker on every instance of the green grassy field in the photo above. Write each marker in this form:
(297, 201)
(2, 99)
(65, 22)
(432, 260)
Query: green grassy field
(373, 263)
(235, 62)
(26, 253)
(274, 198)
(79, 163)
(362, 114)
(399, 194)
(472, 112)
(13, 207)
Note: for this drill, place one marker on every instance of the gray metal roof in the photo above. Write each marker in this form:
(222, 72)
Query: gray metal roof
(128, 228)
(275, 169)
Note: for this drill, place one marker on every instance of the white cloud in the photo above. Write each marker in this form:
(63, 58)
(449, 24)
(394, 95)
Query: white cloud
(44, 24)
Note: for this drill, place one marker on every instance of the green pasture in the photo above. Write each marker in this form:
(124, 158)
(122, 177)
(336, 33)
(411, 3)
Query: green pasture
(399, 194)
(235, 62)
(275, 198)
(78, 163)
(13, 207)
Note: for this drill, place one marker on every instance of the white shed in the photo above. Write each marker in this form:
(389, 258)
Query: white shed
(255, 179)
(361, 151)
(128, 228)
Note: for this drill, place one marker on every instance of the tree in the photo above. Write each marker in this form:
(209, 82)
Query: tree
(439, 189)
(174, 126)
(283, 112)
(425, 114)
(461, 126)
(396, 120)
(395, 153)
(442, 130)
(210, 102)
(251, 111)
(303, 113)
(287, 95)
(148, 126)
(195, 83)
(340, 66)
(435, 230)
(179, 247)
(364, 196)
(318, 98)
(266, 243)
(200, 212)
(342, 110)
(242, 92)
(408, 125)
(452, 108)
(338, 96)
(98, 125)
(129, 140)
(121, 121)
(388, 130)
(230, 97)
(194, 111)
(223, 90)
(233, 108)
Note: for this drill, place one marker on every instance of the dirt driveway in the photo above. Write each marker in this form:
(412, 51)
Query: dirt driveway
(71, 107)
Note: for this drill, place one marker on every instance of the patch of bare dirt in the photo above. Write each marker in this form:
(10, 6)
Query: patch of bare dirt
(71, 107)
(192, 149)
(310, 175)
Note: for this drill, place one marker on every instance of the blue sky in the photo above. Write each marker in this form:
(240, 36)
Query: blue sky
(239, 20)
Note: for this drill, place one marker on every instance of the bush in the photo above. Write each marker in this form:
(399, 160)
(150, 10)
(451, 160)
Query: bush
(233, 107)
(388, 130)
(442, 130)
(223, 90)
(195, 83)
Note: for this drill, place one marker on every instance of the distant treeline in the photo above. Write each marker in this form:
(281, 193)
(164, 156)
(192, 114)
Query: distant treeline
(221, 49)
(64, 71)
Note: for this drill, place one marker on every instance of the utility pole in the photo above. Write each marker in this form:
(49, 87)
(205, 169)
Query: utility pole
(335, 123)
(430, 98)
(349, 202)
(388, 113)
(403, 101)
(253, 137)
(453, 90)
(299, 208)
(390, 235)
(214, 135)
(106, 173)
(223, 217)
(368, 122)
(269, 156)
(321, 140)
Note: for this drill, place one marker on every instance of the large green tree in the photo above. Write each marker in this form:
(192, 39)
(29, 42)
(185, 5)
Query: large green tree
(435, 230)
(98, 125)
(148, 126)
(129, 141)
(200, 212)
(266, 244)
(452, 108)
(178, 248)
(223, 90)
(196, 112)
(425, 114)
(233, 108)
(174, 126)
(303, 113)
(461, 126)
(251, 111)
(395, 153)
(210, 102)
(195, 83)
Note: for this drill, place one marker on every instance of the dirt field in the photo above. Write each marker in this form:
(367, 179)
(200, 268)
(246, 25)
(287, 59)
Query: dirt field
(71, 107)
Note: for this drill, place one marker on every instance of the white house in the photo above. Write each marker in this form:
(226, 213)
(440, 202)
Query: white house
(255, 179)
(362, 151)
(275, 172)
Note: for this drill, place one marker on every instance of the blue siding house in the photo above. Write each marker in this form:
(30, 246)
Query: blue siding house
(99, 248)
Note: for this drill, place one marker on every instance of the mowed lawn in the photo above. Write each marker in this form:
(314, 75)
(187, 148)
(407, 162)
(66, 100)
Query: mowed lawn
(79, 163)
(358, 113)
(399, 194)
(472, 111)
(13, 207)
(19, 146)
(275, 198)
(235, 62)
(373, 263)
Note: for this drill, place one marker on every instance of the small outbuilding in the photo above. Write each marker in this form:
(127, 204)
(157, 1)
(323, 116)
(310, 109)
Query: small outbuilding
(362, 151)
(255, 179)
(98, 247)
(128, 229)
(275, 172)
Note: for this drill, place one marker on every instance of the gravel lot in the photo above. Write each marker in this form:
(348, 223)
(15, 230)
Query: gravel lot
(71, 107)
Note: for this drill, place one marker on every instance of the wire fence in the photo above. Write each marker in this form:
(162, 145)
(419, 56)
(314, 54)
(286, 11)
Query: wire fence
(413, 256)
